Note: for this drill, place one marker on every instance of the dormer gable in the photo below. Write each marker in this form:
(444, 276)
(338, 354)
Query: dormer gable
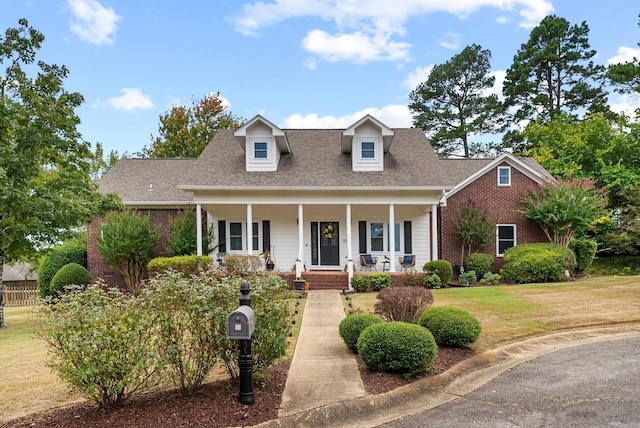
(367, 140)
(263, 144)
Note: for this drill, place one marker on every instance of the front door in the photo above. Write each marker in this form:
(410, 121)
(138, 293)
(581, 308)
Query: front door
(329, 243)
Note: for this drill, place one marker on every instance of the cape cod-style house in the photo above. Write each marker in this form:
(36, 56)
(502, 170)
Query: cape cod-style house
(318, 198)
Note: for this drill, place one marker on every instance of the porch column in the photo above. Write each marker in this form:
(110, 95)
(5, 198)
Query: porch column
(349, 250)
(434, 232)
(392, 238)
(199, 229)
(249, 229)
(300, 261)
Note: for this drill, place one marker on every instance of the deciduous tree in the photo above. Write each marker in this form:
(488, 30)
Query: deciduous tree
(454, 103)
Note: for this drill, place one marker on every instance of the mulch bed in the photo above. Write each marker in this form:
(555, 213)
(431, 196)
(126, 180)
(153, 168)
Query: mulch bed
(216, 405)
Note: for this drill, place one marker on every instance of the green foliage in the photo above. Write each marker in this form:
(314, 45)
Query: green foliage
(397, 347)
(183, 238)
(186, 330)
(491, 278)
(99, 343)
(351, 327)
(451, 326)
(360, 283)
(474, 228)
(421, 280)
(379, 281)
(442, 268)
(481, 263)
(622, 236)
(455, 102)
(565, 208)
(186, 131)
(468, 277)
(433, 281)
(69, 274)
(538, 262)
(553, 72)
(127, 241)
(585, 250)
(70, 252)
(606, 264)
(403, 303)
(626, 75)
(187, 265)
(242, 265)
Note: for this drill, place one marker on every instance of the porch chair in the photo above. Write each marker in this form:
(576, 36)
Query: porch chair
(367, 262)
(407, 262)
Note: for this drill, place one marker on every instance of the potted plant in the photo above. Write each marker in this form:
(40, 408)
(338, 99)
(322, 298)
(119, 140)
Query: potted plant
(299, 284)
(268, 261)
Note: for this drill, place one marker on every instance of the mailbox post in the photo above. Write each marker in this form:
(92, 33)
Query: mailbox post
(240, 326)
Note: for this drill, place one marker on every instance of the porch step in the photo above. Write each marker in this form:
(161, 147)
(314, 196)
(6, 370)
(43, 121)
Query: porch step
(326, 280)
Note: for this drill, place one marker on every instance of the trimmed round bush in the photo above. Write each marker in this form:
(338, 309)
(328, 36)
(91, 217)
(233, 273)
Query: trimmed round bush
(351, 327)
(71, 252)
(481, 263)
(442, 268)
(451, 326)
(585, 250)
(538, 262)
(360, 283)
(379, 281)
(397, 347)
(69, 274)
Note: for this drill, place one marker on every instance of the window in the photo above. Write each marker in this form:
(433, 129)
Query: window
(379, 239)
(368, 150)
(505, 237)
(256, 237)
(504, 176)
(237, 238)
(260, 150)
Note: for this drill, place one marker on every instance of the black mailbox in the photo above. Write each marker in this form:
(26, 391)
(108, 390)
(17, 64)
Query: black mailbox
(241, 323)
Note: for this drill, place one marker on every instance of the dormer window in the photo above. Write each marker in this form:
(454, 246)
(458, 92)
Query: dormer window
(368, 150)
(260, 150)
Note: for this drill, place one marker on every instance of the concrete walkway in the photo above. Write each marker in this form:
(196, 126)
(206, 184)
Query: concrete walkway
(323, 371)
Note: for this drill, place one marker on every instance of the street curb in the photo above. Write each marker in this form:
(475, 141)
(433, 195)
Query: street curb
(461, 379)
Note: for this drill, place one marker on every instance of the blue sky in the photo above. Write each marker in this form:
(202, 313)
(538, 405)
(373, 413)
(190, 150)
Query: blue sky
(299, 63)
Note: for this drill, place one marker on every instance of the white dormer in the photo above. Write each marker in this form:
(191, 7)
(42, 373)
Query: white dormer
(263, 143)
(367, 140)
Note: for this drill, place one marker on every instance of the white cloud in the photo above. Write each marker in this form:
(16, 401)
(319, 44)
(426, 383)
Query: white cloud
(394, 116)
(625, 54)
(451, 41)
(131, 99)
(416, 77)
(93, 22)
(372, 26)
(626, 103)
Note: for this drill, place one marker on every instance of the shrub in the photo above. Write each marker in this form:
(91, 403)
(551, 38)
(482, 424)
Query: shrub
(442, 268)
(397, 347)
(183, 238)
(433, 281)
(481, 263)
(351, 327)
(71, 252)
(379, 281)
(585, 250)
(451, 326)
(242, 265)
(421, 280)
(187, 265)
(468, 277)
(186, 335)
(99, 343)
(491, 278)
(360, 283)
(69, 274)
(403, 303)
(127, 241)
(538, 262)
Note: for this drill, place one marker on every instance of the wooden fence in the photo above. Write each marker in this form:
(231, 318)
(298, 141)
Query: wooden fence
(20, 293)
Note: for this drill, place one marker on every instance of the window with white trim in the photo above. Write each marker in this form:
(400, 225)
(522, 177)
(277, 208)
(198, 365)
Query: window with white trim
(505, 238)
(504, 176)
(379, 237)
(237, 236)
(368, 149)
(260, 150)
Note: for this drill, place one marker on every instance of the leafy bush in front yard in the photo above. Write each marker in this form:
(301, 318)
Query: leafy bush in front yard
(99, 343)
(242, 265)
(538, 262)
(421, 280)
(491, 278)
(468, 277)
(585, 250)
(403, 303)
(360, 283)
(70, 252)
(351, 327)
(379, 281)
(397, 347)
(481, 263)
(188, 265)
(69, 274)
(442, 268)
(451, 326)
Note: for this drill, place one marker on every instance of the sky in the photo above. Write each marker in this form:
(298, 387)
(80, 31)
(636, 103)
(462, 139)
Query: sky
(299, 63)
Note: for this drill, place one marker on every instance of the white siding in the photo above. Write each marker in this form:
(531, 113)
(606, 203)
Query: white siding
(367, 132)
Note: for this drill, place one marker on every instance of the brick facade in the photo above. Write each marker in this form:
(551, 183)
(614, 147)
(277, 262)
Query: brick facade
(100, 269)
(502, 204)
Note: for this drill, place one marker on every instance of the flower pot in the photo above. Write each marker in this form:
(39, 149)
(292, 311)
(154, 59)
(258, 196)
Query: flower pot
(270, 266)
(306, 286)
